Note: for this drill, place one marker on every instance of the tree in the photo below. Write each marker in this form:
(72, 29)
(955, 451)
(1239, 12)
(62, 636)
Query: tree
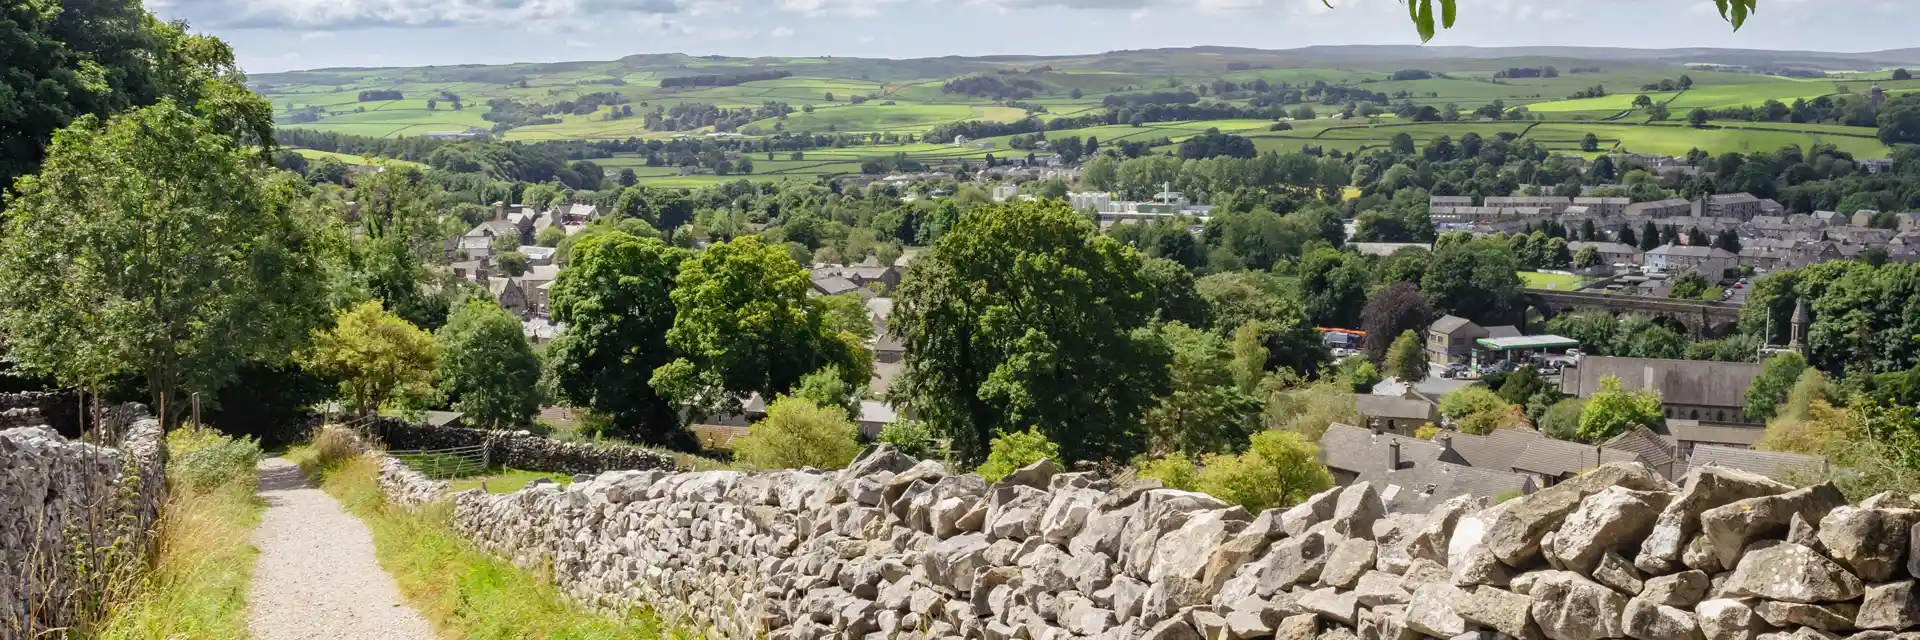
(1401, 143)
(799, 433)
(1698, 117)
(1477, 279)
(846, 312)
(1391, 311)
(1590, 143)
(1649, 237)
(1659, 112)
(1478, 410)
(1407, 360)
(825, 387)
(152, 245)
(1173, 292)
(549, 237)
(1612, 411)
(1642, 101)
(487, 368)
(1902, 74)
(1562, 420)
(1900, 121)
(67, 60)
(1279, 469)
(1333, 285)
(1769, 389)
(377, 356)
(615, 298)
(511, 263)
(1202, 410)
(1010, 451)
(1690, 285)
(1587, 258)
(1044, 336)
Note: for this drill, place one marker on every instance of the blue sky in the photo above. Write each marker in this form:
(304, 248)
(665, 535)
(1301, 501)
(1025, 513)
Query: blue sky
(281, 35)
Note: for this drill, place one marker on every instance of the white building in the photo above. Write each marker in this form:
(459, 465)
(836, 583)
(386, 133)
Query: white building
(1005, 192)
(1099, 201)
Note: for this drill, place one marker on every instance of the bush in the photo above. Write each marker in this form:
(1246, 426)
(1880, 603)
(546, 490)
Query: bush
(1279, 469)
(201, 459)
(1011, 451)
(331, 446)
(911, 437)
(1426, 431)
(1173, 470)
(799, 433)
(1478, 410)
(1562, 420)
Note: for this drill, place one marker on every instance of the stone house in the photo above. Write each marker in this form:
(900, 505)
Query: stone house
(1707, 261)
(1713, 393)
(1668, 208)
(1605, 207)
(510, 295)
(1732, 205)
(1611, 253)
(1411, 475)
(1451, 339)
(1399, 416)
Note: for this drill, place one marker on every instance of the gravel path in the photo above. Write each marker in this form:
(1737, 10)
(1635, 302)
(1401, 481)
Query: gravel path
(316, 576)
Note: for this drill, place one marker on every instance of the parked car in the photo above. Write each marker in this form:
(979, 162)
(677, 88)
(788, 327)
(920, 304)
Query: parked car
(1453, 371)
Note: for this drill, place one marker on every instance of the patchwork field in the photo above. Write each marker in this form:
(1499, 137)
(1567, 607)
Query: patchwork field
(913, 96)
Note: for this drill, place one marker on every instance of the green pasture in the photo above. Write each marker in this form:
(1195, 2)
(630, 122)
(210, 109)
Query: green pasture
(1550, 281)
(348, 158)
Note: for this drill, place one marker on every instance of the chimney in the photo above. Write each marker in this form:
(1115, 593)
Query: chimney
(482, 272)
(499, 210)
(1393, 455)
(1445, 440)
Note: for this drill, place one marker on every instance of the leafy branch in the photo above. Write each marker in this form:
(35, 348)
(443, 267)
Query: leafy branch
(1421, 11)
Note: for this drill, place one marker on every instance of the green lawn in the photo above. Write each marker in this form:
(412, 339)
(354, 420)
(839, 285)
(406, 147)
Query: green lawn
(508, 480)
(1550, 281)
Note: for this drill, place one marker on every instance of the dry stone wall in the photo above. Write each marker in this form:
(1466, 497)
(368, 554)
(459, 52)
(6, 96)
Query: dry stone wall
(524, 450)
(897, 548)
(71, 512)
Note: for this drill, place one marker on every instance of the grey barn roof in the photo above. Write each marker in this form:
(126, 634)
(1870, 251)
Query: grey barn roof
(1423, 479)
(1686, 382)
(1767, 463)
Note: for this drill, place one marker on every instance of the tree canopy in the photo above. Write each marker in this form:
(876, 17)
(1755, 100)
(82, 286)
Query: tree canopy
(487, 369)
(1021, 316)
(616, 301)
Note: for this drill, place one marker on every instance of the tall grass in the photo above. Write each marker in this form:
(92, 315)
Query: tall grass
(203, 560)
(463, 591)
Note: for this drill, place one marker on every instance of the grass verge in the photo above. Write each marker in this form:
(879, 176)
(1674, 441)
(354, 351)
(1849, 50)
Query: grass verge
(197, 587)
(463, 591)
(507, 480)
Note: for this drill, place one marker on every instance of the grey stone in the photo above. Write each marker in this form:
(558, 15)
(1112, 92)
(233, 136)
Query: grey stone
(1350, 559)
(1293, 560)
(1314, 510)
(1330, 604)
(1730, 528)
(950, 563)
(1792, 614)
(1513, 536)
(1173, 629)
(1570, 607)
(1376, 588)
(1684, 589)
(1792, 573)
(1871, 542)
(1356, 509)
(1432, 611)
(1498, 609)
(1891, 606)
(1649, 620)
(1606, 520)
(1244, 624)
(1706, 487)
(1727, 619)
(1300, 627)
(1614, 571)
(1037, 475)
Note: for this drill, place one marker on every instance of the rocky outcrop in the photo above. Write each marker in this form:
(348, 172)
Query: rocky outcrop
(893, 547)
(71, 515)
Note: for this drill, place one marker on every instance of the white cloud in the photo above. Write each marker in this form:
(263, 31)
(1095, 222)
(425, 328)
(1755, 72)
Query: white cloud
(781, 32)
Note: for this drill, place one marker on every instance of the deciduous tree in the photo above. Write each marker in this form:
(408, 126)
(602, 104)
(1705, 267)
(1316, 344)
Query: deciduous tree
(152, 245)
(377, 356)
(487, 368)
(615, 299)
(1023, 316)
(1613, 411)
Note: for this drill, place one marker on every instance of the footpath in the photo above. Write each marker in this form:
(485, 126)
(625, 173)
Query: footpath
(316, 576)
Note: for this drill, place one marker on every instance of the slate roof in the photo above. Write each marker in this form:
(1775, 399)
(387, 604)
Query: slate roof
(1693, 431)
(1686, 382)
(1423, 479)
(834, 285)
(1767, 463)
(1690, 251)
(1449, 324)
(1374, 406)
(495, 228)
(1651, 447)
(1503, 331)
(1528, 450)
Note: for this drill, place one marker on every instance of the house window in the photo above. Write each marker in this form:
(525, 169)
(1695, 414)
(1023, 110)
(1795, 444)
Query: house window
(1695, 415)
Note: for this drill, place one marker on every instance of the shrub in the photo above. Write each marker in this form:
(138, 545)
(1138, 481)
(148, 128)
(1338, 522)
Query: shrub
(1478, 410)
(331, 446)
(201, 458)
(911, 437)
(1279, 469)
(1013, 450)
(1426, 431)
(1173, 470)
(799, 433)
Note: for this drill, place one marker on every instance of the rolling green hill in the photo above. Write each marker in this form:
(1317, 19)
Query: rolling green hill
(592, 100)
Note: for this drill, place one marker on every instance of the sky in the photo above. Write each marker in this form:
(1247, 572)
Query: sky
(284, 35)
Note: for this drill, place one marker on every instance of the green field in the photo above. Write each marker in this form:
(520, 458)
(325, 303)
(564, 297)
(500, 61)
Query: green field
(1551, 281)
(349, 158)
(909, 97)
